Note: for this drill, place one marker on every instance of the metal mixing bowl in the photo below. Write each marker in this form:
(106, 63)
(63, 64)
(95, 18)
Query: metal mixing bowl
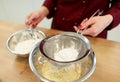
(20, 36)
(44, 53)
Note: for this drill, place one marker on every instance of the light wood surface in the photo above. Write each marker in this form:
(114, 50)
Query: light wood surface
(16, 69)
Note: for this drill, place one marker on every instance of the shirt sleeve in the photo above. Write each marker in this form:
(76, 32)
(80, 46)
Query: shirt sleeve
(50, 4)
(114, 10)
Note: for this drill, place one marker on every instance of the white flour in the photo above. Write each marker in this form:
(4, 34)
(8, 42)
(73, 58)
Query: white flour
(26, 46)
(66, 54)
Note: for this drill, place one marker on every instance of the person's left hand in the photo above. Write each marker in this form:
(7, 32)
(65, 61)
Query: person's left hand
(95, 25)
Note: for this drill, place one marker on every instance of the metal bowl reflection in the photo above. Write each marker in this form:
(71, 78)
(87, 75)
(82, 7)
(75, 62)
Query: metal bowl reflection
(20, 36)
(88, 66)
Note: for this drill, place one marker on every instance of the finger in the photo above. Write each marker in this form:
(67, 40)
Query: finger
(35, 23)
(29, 21)
(84, 21)
(82, 25)
(76, 28)
(32, 20)
(90, 31)
(89, 22)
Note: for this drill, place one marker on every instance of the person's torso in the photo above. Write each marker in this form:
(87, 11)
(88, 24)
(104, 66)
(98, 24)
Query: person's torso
(72, 12)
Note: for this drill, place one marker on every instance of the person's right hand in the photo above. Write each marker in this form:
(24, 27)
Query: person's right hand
(35, 17)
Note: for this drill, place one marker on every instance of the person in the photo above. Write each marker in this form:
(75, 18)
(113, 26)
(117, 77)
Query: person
(69, 15)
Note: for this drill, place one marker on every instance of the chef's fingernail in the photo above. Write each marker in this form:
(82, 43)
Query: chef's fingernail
(80, 26)
(33, 25)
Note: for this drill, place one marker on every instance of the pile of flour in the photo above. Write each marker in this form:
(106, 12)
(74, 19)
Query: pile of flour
(66, 54)
(25, 47)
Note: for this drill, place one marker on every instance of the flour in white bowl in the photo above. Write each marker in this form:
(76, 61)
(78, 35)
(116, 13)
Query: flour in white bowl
(25, 47)
(66, 54)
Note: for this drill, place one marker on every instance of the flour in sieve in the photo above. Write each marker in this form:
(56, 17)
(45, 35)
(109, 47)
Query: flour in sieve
(25, 46)
(66, 54)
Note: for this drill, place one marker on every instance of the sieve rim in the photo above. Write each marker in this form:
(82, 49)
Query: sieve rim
(66, 33)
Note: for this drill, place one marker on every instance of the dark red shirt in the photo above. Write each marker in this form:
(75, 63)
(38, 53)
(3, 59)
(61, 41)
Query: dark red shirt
(67, 13)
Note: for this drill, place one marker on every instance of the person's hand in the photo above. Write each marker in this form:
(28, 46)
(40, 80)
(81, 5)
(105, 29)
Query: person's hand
(35, 17)
(94, 25)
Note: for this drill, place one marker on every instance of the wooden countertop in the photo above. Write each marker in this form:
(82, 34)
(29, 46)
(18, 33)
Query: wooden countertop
(16, 69)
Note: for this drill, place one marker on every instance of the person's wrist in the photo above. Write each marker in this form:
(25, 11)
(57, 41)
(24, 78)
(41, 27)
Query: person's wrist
(44, 10)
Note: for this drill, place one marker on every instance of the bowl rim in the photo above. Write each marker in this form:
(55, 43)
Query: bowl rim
(8, 40)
